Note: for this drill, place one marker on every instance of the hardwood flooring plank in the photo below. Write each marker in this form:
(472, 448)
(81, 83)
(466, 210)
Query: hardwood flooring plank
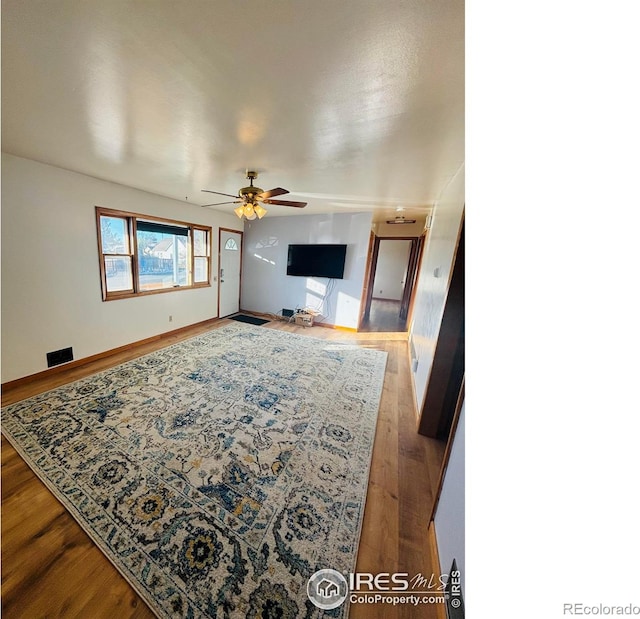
(51, 568)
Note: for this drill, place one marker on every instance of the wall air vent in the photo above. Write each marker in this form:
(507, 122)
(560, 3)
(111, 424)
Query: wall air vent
(59, 356)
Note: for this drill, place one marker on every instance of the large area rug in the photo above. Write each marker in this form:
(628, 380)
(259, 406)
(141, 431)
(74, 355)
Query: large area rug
(217, 474)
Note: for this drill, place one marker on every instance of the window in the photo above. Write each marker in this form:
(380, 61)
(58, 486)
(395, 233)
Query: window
(116, 254)
(200, 256)
(144, 255)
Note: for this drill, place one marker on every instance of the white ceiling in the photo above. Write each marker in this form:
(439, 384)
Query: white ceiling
(350, 104)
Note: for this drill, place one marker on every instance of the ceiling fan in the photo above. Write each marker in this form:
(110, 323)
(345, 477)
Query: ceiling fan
(250, 197)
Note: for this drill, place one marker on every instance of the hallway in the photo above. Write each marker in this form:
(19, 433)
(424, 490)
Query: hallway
(384, 317)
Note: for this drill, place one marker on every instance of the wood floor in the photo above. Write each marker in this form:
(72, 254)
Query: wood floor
(384, 316)
(50, 567)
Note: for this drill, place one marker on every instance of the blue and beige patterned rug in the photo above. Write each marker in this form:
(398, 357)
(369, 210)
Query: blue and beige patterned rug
(217, 474)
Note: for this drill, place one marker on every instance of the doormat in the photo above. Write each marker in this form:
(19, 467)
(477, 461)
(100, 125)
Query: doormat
(252, 320)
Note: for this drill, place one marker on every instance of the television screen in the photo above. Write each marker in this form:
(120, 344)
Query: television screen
(317, 260)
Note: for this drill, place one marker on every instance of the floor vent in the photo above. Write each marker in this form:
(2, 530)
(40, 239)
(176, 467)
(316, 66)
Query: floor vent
(59, 356)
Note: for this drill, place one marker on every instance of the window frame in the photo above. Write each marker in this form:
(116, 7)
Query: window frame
(206, 255)
(131, 220)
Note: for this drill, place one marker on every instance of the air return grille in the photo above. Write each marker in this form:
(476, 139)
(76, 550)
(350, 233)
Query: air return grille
(59, 356)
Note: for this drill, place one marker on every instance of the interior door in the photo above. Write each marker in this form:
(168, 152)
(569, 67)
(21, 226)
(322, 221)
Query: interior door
(229, 268)
(447, 368)
(410, 279)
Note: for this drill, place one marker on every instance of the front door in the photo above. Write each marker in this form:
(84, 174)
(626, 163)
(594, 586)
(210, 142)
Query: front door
(229, 266)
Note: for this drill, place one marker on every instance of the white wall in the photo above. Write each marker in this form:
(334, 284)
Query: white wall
(267, 288)
(449, 516)
(433, 282)
(51, 296)
(391, 269)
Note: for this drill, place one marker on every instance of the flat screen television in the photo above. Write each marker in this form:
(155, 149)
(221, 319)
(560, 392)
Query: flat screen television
(317, 260)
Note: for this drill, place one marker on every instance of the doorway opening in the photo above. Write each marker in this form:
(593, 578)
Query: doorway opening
(447, 367)
(392, 271)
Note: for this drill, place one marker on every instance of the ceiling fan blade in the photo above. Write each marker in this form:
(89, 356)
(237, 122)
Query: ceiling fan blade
(220, 194)
(286, 203)
(219, 203)
(278, 191)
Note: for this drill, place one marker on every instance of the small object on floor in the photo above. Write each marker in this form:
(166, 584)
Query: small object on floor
(305, 316)
(306, 320)
(252, 320)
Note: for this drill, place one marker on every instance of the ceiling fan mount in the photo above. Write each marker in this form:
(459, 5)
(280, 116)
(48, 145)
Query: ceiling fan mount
(250, 198)
(249, 193)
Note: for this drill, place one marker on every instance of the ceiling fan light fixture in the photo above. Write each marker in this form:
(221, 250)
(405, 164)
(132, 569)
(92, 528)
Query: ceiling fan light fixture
(251, 196)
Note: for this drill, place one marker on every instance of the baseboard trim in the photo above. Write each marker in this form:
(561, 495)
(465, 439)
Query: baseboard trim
(434, 556)
(326, 325)
(414, 389)
(338, 327)
(58, 369)
(263, 315)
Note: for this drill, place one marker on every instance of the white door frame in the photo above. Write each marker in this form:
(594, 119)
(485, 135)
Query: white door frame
(241, 233)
